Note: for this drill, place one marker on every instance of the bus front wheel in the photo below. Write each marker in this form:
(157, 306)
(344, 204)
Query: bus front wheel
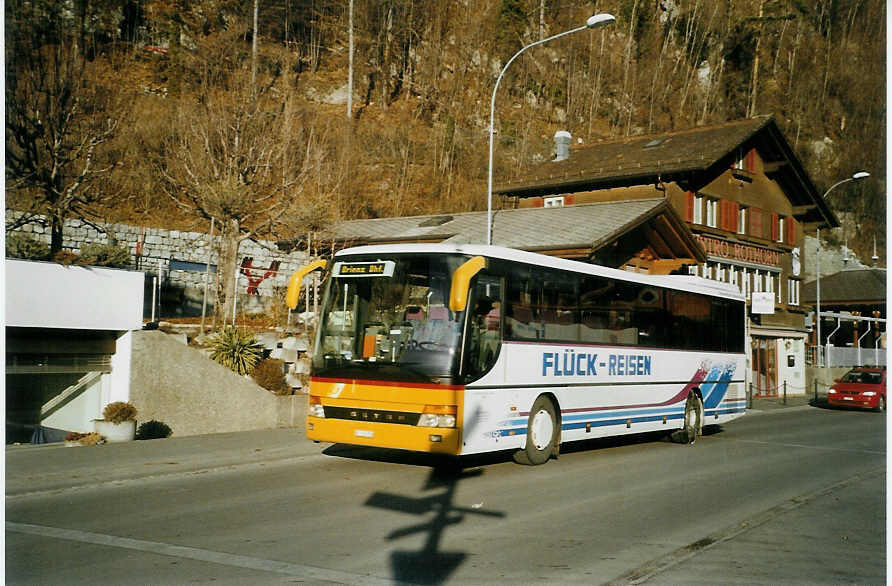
(542, 434)
(693, 421)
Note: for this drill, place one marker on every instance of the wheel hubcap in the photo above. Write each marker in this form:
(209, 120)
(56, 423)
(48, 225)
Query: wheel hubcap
(542, 429)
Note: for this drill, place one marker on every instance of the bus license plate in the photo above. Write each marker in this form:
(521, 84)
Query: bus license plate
(363, 433)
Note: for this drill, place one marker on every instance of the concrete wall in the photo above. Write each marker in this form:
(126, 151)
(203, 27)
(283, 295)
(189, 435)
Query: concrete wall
(824, 378)
(180, 386)
(49, 295)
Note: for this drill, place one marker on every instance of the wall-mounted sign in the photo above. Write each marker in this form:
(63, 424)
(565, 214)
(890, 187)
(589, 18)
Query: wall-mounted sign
(737, 251)
(762, 303)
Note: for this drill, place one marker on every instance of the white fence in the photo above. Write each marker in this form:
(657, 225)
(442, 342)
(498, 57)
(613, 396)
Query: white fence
(834, 356)
(830, 355)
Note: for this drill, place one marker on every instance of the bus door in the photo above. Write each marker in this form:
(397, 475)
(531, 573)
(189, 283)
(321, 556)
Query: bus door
(484, 326)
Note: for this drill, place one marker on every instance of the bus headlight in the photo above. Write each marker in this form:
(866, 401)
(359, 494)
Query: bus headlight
(438, 416)
(869, 393)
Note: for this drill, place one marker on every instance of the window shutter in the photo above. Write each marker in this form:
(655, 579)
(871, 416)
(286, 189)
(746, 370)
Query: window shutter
(774, 227)
(733, 215)
(790, 229)
(689, 210)
(751, 161)
(755, 218)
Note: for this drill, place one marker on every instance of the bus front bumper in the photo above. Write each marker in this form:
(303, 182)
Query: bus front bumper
(436, 440)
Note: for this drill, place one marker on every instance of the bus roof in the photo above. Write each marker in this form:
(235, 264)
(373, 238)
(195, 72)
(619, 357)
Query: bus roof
(681, 282)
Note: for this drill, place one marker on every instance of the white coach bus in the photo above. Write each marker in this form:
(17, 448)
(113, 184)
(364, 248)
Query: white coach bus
(465, 349)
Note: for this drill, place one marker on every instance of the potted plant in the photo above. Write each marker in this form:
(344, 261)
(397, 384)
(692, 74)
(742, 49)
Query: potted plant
(118, 423)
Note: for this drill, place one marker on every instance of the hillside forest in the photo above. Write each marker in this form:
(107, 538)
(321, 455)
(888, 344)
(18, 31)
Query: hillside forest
(257, 113)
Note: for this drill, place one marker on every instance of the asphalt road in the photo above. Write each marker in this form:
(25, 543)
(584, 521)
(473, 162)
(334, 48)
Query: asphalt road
(792, 496)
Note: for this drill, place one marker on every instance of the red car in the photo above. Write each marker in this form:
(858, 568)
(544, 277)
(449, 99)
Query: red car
(860, 387)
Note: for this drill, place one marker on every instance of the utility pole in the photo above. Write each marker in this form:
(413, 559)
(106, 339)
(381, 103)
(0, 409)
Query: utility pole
(350, 68)
(254, 47)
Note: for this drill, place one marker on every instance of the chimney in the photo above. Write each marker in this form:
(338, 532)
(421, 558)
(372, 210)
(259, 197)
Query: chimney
(562, 145)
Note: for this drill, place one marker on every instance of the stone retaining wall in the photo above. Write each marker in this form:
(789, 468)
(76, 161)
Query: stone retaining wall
(180, 258)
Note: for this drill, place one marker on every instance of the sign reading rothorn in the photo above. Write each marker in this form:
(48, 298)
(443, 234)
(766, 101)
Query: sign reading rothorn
(739, 252)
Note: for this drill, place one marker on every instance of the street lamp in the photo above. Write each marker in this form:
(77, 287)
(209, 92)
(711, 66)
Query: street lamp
(595, 21)
(855, 177)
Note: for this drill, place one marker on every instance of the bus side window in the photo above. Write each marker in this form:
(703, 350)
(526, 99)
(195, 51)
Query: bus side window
(519, 319)
(594, 303)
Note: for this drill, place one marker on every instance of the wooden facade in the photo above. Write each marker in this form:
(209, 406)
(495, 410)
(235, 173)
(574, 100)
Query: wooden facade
(745, 198)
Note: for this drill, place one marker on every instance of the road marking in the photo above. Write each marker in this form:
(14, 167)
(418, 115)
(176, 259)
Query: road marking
(655, 567)
(203, 555)
(811, 447)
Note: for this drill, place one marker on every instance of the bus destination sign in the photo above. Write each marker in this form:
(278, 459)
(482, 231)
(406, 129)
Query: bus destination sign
(382, 268)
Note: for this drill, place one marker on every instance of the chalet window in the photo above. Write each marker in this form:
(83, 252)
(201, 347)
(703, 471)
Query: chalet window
(698, 209)
(741, 219)
(554, 202)
(781, 232)
(792, 292)
(712, 212)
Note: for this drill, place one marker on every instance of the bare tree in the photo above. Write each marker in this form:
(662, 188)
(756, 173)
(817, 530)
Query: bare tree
(237, 158)
(57, 122)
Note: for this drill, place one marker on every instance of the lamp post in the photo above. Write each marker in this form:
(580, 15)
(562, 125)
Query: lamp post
(593, 22)
(855, 177)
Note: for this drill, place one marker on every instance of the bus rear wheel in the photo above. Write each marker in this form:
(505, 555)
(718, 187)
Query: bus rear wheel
(542, 434)
(693, 421)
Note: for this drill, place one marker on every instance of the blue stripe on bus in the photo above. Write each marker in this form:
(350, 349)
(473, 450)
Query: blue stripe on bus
(587, 420)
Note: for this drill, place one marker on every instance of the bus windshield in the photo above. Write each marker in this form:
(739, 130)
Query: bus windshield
(388, 319)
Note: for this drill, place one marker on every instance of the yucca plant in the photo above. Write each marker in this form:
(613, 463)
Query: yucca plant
(236, 350)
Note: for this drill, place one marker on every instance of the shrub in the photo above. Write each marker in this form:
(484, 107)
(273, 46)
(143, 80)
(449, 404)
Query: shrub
(270, 374)
(119, 412)
(153, 430)
(66, 257)
(105, 255)
(26, 247)
(236, 350)
(85, 439)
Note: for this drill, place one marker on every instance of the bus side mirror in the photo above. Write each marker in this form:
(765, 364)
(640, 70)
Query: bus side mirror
(461, 282)
(295, 280)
